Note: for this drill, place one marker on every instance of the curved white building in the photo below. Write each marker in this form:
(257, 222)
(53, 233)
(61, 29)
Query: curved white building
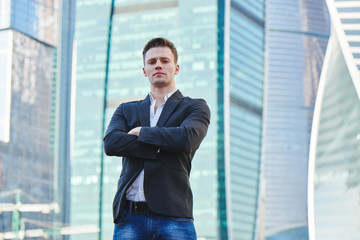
(334, 167)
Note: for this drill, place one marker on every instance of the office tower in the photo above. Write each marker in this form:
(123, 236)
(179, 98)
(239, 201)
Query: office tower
(28, 39)
(35, 62)
(296, 39)
(221, 51)
(334, 173)
(243, 114)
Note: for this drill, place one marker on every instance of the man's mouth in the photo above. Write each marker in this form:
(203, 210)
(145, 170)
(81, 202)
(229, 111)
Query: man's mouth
(158, 73)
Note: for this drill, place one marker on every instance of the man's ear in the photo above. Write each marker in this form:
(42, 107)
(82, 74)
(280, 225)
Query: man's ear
(144, 72)
(177, 68)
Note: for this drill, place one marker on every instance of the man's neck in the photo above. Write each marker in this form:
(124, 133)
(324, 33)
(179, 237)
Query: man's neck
(159, 93)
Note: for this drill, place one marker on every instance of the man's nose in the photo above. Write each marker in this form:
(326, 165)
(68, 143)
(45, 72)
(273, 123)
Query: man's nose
(158, 64)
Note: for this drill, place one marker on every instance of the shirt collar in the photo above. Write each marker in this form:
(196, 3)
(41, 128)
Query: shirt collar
(166, 97)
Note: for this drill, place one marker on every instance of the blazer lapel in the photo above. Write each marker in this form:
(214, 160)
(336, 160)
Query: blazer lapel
(144, 111)
(169, 107)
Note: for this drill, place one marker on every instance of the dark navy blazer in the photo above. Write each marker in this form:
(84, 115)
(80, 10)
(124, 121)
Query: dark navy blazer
(164, 151)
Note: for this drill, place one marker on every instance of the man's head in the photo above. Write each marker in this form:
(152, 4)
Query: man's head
(160, 64)
(160, 42)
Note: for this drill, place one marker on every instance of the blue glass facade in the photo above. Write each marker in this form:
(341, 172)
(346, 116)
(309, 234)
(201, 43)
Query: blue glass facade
(91, 31)
(27, 63)
(297, 34)
(246, 61)
(36, 19)
(27, 157)
(35, 117)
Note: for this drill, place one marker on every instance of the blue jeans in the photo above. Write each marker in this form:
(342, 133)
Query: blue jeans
(151, 226)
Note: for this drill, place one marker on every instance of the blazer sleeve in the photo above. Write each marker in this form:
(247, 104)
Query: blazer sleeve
(185, 138)
(117, 142)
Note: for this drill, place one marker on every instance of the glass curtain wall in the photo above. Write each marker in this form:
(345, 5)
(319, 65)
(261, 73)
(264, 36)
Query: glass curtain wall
(297, 35)
(28, 38)
(27, 158)
(246, 71)
(91, 34)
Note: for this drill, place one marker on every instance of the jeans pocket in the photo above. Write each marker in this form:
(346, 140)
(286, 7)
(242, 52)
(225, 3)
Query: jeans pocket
(124, 218)
(181, 219)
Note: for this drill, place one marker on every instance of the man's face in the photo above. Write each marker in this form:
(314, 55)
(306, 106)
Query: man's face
(160, 67)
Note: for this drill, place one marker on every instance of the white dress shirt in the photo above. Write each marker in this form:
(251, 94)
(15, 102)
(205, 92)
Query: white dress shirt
(136, 190)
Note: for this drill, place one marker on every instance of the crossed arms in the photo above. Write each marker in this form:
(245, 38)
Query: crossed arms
(144, 142)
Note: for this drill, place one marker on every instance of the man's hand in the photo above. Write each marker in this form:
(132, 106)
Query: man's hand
(135, 131)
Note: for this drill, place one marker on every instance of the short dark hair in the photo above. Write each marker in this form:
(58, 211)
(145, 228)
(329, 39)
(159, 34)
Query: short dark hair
(160, 42)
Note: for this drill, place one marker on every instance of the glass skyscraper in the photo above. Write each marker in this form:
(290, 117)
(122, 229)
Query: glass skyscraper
(334, 169)
(28, 39)
(221, 52)
(31, 151)
(296, 38)
(243, 114)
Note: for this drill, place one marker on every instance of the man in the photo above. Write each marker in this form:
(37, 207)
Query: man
(157, 138)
